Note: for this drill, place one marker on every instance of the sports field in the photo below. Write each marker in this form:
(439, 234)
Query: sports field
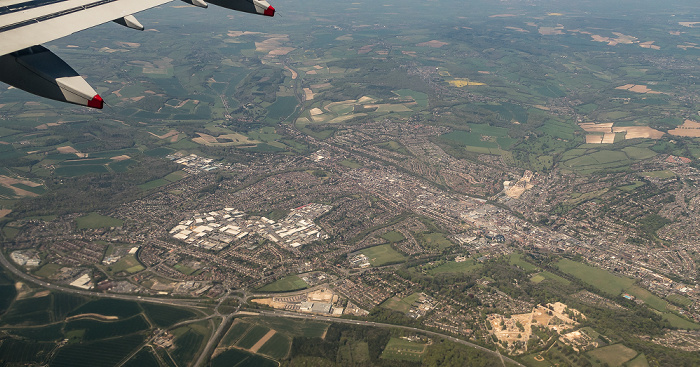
(286, 284)
(382, 254)
(94, 220)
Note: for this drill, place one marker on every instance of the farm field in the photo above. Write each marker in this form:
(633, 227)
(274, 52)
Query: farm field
(382, 255)
(165, 316)
(239, 358)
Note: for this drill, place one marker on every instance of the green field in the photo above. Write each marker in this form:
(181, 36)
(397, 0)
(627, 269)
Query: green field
(47, 270)
(237, 330)
(239, 358)
(401, 305)
(128, 263)
(394, 146)
(455, 267)
(95, 330)
(382, 254)
(277, 347)
(599, 278)
(252, 336)
(184, 269)
(539, 277)
(79, 170)
(154, 184)
(393, 236)
(420, 98)
(613, 355)
(517, 259)
(678, 299)
(350, 163)
(94, 220)
(404, 350)
(165, 316)
(286, 284)
(108, 307)
(679, 322)
(659, 174)
(434, 241)
(105, 353)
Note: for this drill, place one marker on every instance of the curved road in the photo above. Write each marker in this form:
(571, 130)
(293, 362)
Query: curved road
(217, 333)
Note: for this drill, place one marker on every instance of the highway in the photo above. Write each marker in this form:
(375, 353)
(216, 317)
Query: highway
(216, 335)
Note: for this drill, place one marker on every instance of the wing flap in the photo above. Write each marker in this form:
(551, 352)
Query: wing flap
(61, 19)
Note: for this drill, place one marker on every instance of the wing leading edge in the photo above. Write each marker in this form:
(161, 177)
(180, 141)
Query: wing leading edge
(26, 24)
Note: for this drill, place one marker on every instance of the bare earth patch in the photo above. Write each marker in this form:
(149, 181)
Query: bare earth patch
(551, 31)
(262, 341)
(9, 181)
(433, 44)
(594, 139)
(689, 128)
(121, 158)
(4, 212)
(634, 132)
(66, 150)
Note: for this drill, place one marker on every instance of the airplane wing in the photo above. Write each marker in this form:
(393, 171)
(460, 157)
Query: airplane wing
(25, 24)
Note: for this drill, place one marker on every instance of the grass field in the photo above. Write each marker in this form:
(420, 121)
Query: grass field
(659, 174)
(154, 184)
(382, 254)
(599, 278)
(679, 322)
(47, 270)
(94, 220)
(539, 277)
(394, 146)
(252, 336)
(401, 305)
(165, 316)
(434, 241)
(678, 299)
(517, 259)
(277, 347)
(420, 98)
(404, 350)
(128, 263)
(455, 267)
(237, 330)
(239, 358)
(639, 361)
(350, 163)
(613, 355)
(286, 284)
(393, 236)
(184, 269)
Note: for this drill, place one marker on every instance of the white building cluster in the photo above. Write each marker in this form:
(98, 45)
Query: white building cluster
(217, 230)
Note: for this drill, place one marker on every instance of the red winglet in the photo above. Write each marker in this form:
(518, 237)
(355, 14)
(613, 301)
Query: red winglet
(96, 102)
(270, 11)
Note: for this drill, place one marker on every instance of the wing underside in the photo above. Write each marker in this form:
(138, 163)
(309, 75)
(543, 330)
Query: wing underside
(25, 24)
